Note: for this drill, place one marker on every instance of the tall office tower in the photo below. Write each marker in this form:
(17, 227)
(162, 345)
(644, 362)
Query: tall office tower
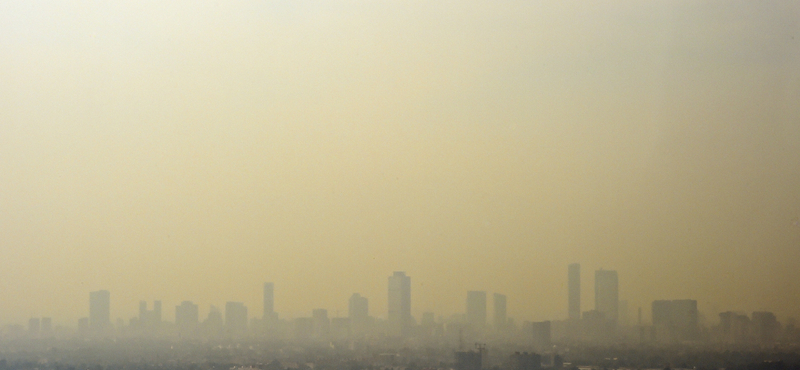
(34, 327)
(149, 318)
(235, 317)
(358, 308)
(541, 336)
(623, 318)
(500, 317)
(476, 309)
(675, 320)
(157, 312)
(213, 324)
(269, 301)
(47, 325)
(321, 322)
(186, 316)
(143, 315)
(99, 310)
(399, 304)
(574, 276)
(606, 294)
(83, 325)
(765, 326)
(340, 329)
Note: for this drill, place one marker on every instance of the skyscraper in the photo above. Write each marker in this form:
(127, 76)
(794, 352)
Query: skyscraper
(399, 303)
(99, 310)
(269, 301)
(541, 336)
(47, 325)
(358, 313)
(606, 294)
(186, 316)
(149, 318)
(500, 316)
(574, 276)
(235, 317)
(34, 326)
(321, 322)
(476, 309)
(675, 320)
(358, 309)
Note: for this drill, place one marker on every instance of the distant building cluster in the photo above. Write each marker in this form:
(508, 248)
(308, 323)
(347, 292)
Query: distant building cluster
(672, 321)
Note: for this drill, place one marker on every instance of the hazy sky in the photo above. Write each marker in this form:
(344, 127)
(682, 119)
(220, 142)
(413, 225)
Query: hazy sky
(192, 150)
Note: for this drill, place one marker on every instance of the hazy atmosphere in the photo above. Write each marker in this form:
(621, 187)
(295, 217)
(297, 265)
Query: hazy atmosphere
(193, 150)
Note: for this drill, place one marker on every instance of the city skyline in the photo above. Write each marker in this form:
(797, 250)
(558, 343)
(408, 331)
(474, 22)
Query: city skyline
(171, 151)
(475, 311)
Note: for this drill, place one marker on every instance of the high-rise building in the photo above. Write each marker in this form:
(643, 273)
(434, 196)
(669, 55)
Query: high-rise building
(235, 317)
(149, 319)
(83, 325)
(213, 324)
(476, 309)
(623, 319)
(675, 320)
(47, 325)
(321, 322)
(765, 326)
(358, 308)
(99, 310)
(574, 276)
(541, 336)
(34, 326)
(186, 316)
(340, 329)
(399, 304)
(606, 294)
(525, 361)
(303, 328)
(500, 316)
(269, 301)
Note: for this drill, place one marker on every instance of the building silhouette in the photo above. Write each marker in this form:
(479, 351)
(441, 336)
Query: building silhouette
(541, 334)
(476, 309)
(149, 319)
(340, 329)
(606, 294)
(500, 316)
(574, 277)
(187, 316)
(34, 326)
(269, 301)
(303, 328)
(675, 320)
(321, 322)
(83, 326)
(99, 310)
(399, 316)
(525, 361)
(765, 326)
(47, 326)
(235, 317)
(358, 308)
(213, 324)
(469, 360)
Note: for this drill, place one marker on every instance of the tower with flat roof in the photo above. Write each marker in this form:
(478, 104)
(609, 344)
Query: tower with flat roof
(476, 309)
(574, 277)
(606, 294)
(399, 316)
(99, 310)
(500, 315)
